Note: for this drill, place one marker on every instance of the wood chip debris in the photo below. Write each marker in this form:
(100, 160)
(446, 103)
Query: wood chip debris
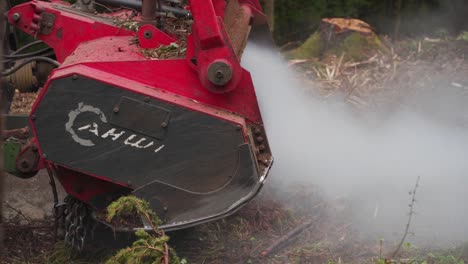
(22, 103)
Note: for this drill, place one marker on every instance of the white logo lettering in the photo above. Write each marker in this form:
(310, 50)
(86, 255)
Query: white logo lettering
(113, 134)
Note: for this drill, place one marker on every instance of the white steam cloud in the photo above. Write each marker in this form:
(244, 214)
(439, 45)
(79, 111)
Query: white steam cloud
(373, 164)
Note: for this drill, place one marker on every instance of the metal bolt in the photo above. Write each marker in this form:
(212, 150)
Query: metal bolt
(33, 117)
(261, 147)
(75, 77)
(129, 183)
(147, 34)
(219, 75)
(16, 17)
(165, 208)
(116, 109)
(44, 155)
(260, 139)
(147, 99)
(257, 131)
(164, 124)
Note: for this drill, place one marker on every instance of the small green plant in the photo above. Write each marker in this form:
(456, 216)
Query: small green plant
(463, 36)
(149, 248)
(445, 259)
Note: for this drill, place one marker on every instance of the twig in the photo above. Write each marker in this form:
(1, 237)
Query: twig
(17, 211)
(359, 63)
(20, 133)
(288, 236)
(294, 62)
(411, 213)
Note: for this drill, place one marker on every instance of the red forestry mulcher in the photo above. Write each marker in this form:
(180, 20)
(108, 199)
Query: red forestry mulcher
(138, 97)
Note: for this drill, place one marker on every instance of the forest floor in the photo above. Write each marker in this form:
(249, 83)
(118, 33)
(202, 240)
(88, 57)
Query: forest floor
(326, 232)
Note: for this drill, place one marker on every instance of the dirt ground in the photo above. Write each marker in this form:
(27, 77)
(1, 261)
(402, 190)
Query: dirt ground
(32, 197)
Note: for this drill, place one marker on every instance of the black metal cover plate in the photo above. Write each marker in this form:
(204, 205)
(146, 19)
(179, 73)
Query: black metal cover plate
(141, 117)
(194, 167)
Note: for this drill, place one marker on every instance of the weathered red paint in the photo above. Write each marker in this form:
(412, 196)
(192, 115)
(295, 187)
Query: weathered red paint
(93, 46)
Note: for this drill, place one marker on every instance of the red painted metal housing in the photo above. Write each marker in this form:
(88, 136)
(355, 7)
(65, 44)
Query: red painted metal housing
(94, 46)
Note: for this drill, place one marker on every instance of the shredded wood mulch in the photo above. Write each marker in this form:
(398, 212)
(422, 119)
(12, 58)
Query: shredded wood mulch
(180, 29)
(22, 103)
(382, 81)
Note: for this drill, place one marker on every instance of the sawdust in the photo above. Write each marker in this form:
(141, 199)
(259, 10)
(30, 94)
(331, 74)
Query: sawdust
(180, 29)
(22, 102)
(171, 51)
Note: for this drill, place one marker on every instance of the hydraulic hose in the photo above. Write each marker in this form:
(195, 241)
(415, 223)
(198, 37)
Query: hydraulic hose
(25, 62)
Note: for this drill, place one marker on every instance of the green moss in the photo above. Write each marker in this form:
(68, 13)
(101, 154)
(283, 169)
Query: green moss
(463, 36)
(359, 47)
(355, 46)
(352, 46)
(311, 48)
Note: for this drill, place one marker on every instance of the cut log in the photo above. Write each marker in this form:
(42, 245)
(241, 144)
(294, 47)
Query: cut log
(337, 26)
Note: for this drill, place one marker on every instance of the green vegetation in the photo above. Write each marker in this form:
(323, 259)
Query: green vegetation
(148, 248)
(355, 47)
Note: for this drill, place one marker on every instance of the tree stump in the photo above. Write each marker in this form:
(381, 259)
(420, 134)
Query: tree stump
(336, 36)
(334, 30)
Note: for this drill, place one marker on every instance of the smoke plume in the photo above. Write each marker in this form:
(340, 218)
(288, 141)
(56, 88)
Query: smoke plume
(372, 164)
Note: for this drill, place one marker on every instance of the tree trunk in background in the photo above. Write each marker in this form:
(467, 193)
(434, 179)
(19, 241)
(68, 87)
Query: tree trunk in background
(269, 9)
(396, 31)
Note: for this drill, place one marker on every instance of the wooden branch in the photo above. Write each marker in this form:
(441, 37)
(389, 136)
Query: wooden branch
(17, 211)
(19, 133)
(282, 241)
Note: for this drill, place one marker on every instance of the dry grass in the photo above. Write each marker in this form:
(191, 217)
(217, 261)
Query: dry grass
(384, 79)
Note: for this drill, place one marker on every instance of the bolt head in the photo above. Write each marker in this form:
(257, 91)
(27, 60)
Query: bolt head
(164, 124)
(219, 73)
(16, 17)
(116, 109)
(147, 34)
